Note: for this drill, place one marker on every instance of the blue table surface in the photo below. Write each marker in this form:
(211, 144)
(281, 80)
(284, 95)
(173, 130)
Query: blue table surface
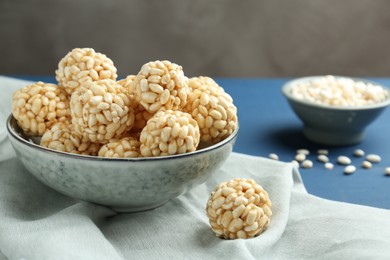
(268, 125)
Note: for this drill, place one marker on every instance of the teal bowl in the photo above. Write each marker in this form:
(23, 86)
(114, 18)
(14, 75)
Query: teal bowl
(123, 184)
(334, 125)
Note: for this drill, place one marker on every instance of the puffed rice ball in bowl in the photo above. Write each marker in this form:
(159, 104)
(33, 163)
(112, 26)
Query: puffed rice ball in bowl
(124, 183)
(336, 110)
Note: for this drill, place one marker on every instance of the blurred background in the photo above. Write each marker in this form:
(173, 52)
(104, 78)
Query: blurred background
(221, 38)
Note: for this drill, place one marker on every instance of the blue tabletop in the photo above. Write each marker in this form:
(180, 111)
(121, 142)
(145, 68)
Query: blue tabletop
(268, 125)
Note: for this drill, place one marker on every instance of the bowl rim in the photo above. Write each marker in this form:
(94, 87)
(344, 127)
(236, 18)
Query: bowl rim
(288, 85)
(20, 139)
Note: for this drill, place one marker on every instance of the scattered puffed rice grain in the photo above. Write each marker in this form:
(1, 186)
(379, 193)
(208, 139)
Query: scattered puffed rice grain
(374, 158)
(328, 166)
(323, 158)
(307, 164)
(273, 156)
(303, 151)
(323, 151)
(349, 169)
(295, 163)
(366, 165)
(344, 160)
(358, 153)
(387, 171)
(300, 157)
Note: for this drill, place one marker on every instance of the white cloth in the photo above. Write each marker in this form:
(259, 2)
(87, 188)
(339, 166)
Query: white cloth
(37, 222)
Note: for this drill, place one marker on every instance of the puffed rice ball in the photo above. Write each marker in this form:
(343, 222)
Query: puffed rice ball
(239, 208)
(62, 137)
(83, 65)
(141, 116)
(127, 147)
(161, 85)
(38, 106)
(169, 132)
(101, 111)
(212, 108)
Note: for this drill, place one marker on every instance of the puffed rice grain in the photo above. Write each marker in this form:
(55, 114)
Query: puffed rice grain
(323, 151)
(323, 158)
(83, 65)
(295, 164)
(349, 169)
(328, 166)
(161, 85)
(344, 160)
(374, 158)
(101, 111)
(306, 164)
(212, 108)
(387, 171)
(303, 151)
(127, 147)
(273, 156)
(366, 165)
(62, 137)
(239, 208)
(358, 153)
(300, 157)
(38, 106)
(169, 132)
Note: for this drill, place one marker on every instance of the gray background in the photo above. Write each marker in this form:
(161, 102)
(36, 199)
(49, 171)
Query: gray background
(230, 38)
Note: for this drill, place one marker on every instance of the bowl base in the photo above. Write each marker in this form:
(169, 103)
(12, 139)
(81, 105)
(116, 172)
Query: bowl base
(326, 137)
(137, 209)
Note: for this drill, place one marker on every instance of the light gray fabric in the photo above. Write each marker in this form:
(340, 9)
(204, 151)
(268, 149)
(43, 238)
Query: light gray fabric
(228, 38)
(36, 222)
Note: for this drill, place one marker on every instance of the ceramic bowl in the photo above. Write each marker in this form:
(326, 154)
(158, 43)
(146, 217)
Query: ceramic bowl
(331, 125)
(126, 185)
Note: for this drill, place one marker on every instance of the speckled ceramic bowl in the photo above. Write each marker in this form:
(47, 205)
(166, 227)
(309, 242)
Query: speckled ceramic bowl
(331, 125)
(126, 185)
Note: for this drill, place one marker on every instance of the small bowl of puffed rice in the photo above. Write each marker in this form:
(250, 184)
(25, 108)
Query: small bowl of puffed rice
(336, 110)
(130, 144)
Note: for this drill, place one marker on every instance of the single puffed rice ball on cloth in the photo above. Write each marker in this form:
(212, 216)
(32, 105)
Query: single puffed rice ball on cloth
(83, 65)
(101, 111)
(141, 116)
(169, 132)
(38, 106)
(62, 137)
(239, 208)
(127, 147)
(212, 108)
(161, 85)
